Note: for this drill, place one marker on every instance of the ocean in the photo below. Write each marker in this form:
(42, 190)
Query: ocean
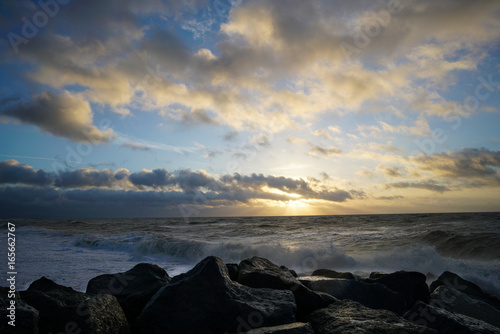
(71, 252)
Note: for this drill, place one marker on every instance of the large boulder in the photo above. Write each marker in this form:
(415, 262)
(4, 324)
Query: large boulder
(446, 322)
(332, 274)
(23, 319)
(295, 328)
(376, 296)
(259, 272)
(454, 301)
(206, 300)
(472, 290)
(133, 288)
(63, 309)
(348, 316)
(410, 284)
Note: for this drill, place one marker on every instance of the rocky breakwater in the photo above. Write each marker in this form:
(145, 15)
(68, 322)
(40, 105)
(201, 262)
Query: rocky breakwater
(255, 296)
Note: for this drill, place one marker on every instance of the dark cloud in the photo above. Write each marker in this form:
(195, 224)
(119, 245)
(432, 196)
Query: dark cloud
(62, 115)
(230, 136)
(89, 177)
(155, 178)
(325, 151)
(159, 189)
(11, 171)
(392, 171)
(427, 185)
(390, 198)
(472, 167)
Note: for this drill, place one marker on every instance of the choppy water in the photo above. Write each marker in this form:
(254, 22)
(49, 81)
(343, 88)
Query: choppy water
(72, 252)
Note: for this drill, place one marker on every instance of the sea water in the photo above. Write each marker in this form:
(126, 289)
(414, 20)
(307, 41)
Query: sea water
(71, 252)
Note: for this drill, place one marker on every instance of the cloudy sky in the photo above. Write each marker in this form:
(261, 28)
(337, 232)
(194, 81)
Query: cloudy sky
(278, 107)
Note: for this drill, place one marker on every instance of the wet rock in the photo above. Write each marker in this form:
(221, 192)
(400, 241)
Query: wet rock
(133, 288)
(410, 284)
(472, 290)
(348, 316)
(454, 301)
(258, 272)
(375, 295)
(332, 274)
(232, 269)
(205, 300)
(295, 328)
(25, 317)
(63, 309)
(446, 322)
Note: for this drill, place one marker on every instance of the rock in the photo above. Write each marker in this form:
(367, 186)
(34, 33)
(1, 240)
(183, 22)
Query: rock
(26, 317)
(295, 328)
(206, 300)
(63, 309)
(472, 290)
(133, 288)
(377, 274)
(348, 316)
(332, 274)
(410, 284)
(294, 274)
(258, 272)
(446, 322)
(232, 269)
(454, 301)
(375, 295)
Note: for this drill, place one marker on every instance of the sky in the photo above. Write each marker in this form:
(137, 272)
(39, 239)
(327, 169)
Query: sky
(153, 108)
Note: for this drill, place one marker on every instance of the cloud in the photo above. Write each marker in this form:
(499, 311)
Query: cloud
(275, 63)
(13, 172)
(89, 177)
(316, 150)
(472, 167)
(116, 192)
(154, 178)
(261, 140)
(323, 133)
(136, 146)
(426, 185)
(384, 147)
(325, 151)
(389, 198)
(393, 171)
(63, 115)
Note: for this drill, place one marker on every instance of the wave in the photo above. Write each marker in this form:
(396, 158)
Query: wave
(303, 258)
(464, 245)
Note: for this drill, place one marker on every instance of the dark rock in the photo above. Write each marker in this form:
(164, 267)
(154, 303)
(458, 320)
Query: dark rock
(446, 322)
(410, 284)
(295, 328)
(25, 318)
(332, 274)
(294, 274)
(63, 309)
(472, 290)
(455, 301)
(206, 300)
(376, 296)
(133, 288)
(348, 316)
(232, 269)
(258, 272)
